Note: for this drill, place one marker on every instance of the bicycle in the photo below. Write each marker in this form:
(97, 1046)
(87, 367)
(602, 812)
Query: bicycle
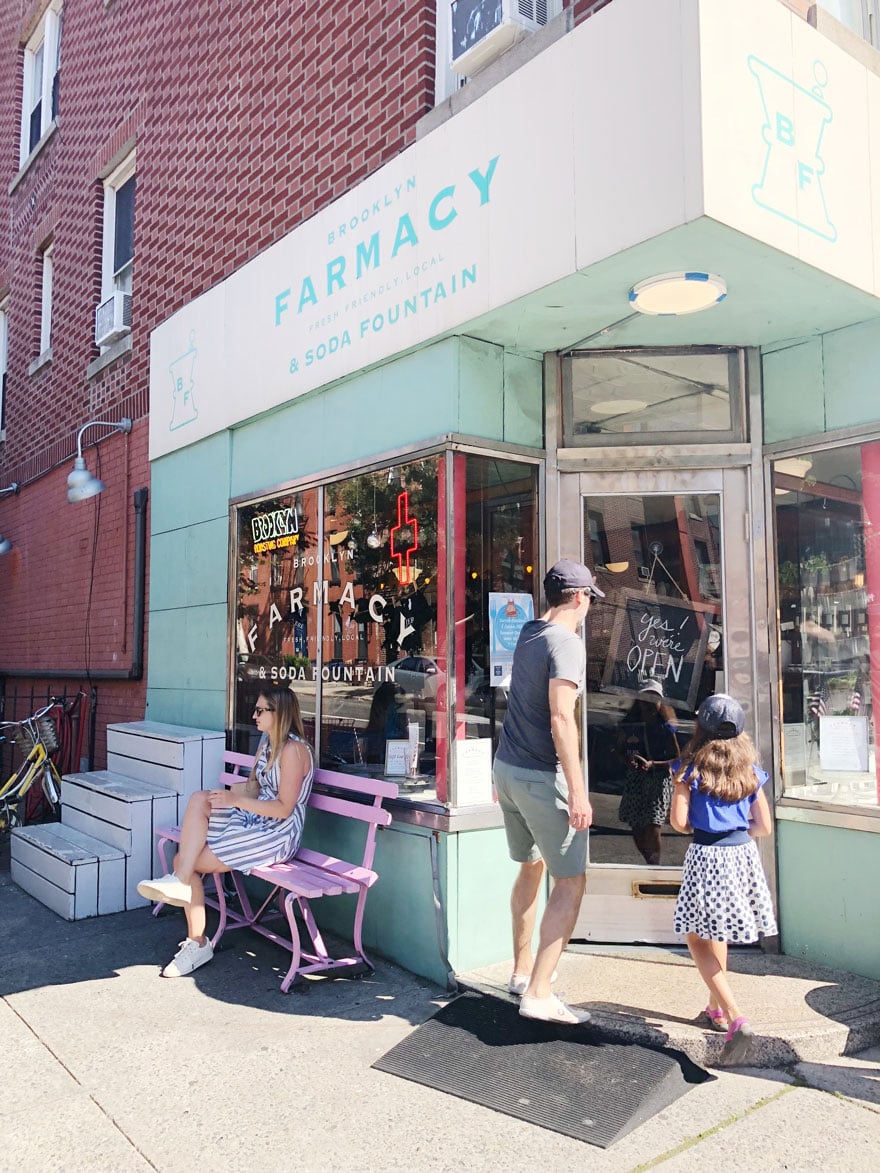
(37, 739)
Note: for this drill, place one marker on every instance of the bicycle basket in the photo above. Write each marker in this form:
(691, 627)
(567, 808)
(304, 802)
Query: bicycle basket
(47, 731)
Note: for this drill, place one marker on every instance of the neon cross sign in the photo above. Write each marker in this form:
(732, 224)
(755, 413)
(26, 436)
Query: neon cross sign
(410, 527)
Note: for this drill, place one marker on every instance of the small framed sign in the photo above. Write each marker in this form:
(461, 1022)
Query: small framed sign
(398, 754)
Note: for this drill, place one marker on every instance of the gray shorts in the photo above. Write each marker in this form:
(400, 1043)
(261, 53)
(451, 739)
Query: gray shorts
(535, 808)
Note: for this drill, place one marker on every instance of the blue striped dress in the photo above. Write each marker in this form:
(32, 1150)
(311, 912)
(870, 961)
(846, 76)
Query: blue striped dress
(244, 840)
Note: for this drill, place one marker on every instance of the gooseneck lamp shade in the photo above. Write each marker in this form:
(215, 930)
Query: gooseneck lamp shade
(676, 294)
(5, 545)
(81, 484)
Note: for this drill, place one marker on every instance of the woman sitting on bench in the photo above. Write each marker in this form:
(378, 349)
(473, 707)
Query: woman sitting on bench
(254, 825)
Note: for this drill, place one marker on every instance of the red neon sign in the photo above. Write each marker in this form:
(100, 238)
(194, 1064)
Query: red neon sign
(404, 522)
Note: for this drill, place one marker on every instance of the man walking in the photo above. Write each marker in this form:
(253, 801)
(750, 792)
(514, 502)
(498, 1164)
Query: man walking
(540, 786)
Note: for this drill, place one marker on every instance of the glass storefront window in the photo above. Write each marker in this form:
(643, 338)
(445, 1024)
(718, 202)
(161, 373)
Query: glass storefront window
(632, 396)
(276, 628)
(346, 591)
(382, 662)
(827, 506)
(494, 591)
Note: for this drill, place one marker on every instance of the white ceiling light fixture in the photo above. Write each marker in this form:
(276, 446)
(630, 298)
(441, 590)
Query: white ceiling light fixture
(675, 294)
(81, 485)
(794, 466)
(611, 407)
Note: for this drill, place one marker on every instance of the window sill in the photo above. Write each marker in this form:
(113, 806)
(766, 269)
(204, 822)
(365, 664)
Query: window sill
(43, 361)
(113, 352)
(846, 818)
(28, 163)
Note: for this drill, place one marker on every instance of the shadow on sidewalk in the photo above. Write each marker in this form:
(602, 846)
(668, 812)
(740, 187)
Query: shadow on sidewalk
(40, 949)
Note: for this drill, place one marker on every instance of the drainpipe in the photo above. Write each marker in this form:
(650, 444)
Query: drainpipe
(136, 671)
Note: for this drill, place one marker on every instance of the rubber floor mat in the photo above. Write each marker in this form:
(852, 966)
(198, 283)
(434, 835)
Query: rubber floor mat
(563, 1078)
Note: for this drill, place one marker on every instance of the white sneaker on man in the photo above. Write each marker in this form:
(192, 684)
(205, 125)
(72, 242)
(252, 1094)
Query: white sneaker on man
(189, 956)
(519, 982)
(166, 890)
(552, 1009)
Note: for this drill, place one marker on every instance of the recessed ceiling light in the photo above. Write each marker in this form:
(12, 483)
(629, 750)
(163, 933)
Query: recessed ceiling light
(677, 293)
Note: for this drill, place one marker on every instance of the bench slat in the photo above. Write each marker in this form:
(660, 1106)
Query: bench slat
(339, 867)
(351, 810)
(375, 787)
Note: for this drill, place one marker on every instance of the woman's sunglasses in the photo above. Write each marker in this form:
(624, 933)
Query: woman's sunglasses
(259, 712)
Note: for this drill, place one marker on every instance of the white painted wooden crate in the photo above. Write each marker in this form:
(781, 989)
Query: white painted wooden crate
(74, 874)
(123, 812)
(175, 756)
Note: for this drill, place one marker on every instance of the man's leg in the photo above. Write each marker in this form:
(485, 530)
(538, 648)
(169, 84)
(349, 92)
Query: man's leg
(557, 925)
(523, 909)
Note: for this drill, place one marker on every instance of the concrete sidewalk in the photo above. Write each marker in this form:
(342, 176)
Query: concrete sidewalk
(110, 1068)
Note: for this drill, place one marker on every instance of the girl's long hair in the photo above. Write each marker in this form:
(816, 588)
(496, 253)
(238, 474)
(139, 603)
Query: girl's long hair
(288, 719)
(725, 767)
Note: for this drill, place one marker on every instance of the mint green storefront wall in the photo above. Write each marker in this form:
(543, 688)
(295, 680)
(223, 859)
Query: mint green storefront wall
(822, 384)
(458, 386)
(829, 877)
(829, 896)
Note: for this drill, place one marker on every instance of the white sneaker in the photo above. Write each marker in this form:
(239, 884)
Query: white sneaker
(189, 956)
(552, 1009)
(166, 890)
(519, 983)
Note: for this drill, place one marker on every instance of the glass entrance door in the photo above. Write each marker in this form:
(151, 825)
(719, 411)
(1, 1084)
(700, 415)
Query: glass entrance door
(656, 646)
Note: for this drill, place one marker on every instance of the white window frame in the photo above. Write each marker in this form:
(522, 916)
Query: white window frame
(4, 362)
(46, 36)
(46, 281)
(112, 281)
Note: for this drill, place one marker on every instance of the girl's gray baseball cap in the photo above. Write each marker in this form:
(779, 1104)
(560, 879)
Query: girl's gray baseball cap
(721, 716)
(566, 575)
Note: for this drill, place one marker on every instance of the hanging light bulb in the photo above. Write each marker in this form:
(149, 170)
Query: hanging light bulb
(373, 539)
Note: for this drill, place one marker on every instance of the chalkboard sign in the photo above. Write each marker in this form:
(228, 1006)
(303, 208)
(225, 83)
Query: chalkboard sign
(663, 639)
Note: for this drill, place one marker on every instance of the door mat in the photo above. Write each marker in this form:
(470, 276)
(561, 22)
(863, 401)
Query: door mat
(564, 1078)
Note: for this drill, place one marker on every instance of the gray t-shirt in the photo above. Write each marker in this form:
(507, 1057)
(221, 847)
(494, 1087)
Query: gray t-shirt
(544, 652)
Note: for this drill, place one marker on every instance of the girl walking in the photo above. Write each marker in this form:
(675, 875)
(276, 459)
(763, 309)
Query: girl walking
(718, 795)
(249, 826)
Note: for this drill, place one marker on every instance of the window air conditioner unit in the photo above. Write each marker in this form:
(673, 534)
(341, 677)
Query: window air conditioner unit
(113, 319)
(483, 29)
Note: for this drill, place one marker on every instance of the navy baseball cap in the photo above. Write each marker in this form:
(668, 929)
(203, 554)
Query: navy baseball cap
(566, 575)
(721, 716)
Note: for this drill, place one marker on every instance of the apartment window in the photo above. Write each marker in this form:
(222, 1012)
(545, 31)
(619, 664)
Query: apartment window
(861, 16)
(46, 301)
(42, 57)
(118, 257)
(4, 350)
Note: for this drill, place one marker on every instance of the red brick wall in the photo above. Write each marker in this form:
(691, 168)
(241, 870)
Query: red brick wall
(247, 119)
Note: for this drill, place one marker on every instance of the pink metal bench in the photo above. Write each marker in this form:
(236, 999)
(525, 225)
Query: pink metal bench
(307, 877)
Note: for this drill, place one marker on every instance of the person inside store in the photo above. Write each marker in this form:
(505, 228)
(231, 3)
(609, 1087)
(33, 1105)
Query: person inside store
(648, 745)
(244, 827)
(386, 721)
(541, 790)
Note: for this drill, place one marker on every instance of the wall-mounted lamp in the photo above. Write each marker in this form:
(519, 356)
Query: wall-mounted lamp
(677, 293)
(614, 567)
(80, 483)
(5, 544)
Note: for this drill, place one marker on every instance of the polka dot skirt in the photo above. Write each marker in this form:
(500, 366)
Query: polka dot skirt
(724, 895)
